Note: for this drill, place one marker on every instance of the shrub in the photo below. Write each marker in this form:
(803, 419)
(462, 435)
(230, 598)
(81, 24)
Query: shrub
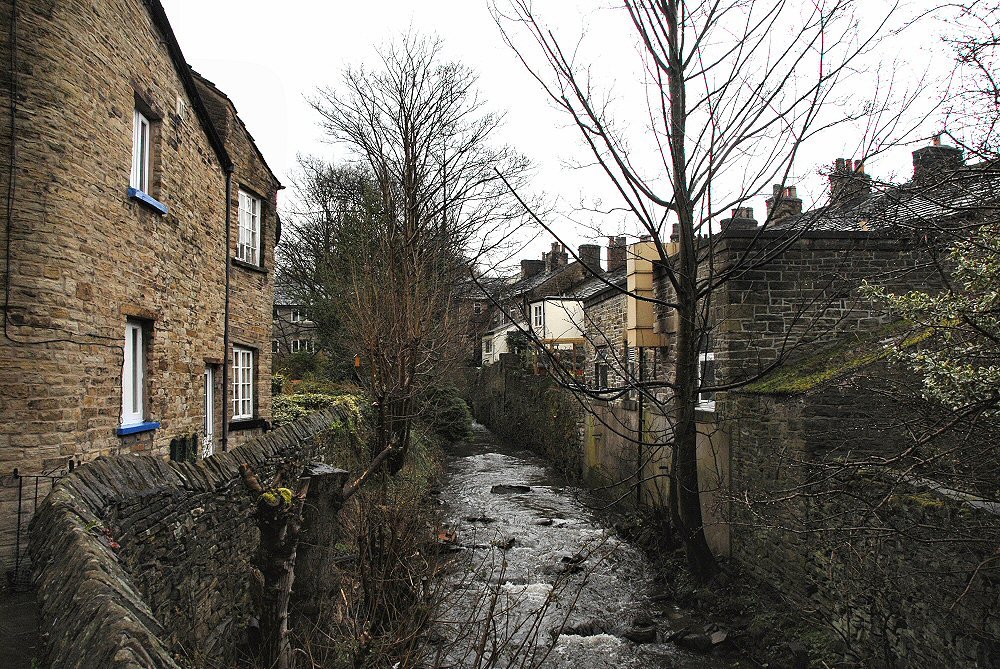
(446, 413)
(288, 408)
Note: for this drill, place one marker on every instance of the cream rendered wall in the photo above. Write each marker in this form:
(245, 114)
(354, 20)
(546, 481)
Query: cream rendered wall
(563, 320)
(499, 339)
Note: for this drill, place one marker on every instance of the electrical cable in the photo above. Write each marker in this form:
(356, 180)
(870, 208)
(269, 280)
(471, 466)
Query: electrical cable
(9, 207)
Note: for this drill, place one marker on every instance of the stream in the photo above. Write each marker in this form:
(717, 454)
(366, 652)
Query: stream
(531, 557)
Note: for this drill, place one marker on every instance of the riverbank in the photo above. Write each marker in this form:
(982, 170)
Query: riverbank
(753, 621)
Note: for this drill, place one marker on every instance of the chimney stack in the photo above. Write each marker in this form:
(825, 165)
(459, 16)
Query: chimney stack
(590, 257)
(555, 258)
(616, 253)
(741, 219)
(848, 181)
(783, 204)
(936, 160)
(531, 268)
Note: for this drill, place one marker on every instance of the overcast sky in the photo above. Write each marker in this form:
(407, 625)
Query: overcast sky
(268, 57)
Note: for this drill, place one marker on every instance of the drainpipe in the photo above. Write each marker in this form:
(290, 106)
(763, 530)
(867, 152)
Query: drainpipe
(642, 428)
(225, 321)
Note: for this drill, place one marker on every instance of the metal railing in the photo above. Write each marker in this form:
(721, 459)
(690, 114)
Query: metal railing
(31, 488)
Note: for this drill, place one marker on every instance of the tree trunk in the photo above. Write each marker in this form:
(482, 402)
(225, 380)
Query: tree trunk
(278, 544)
(318, 539)
(700, 559)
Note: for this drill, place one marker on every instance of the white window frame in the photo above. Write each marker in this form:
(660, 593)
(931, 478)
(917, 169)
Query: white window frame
(298, 315)
(275, 346)
(139, 178)
(303, 346)
(488, 346)
(248, 240)
(134, 374)
(538, 316)
(703, 403)
(243, 383)
(477, 308)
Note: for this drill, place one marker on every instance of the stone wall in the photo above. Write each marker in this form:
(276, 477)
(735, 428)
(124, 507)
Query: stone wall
(529, 410)
(604, 326)
(902, 567)
(84, 257)
(143, 563)
(805, 296)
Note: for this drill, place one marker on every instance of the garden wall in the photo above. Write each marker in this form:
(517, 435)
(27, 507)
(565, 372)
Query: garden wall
(146, 564)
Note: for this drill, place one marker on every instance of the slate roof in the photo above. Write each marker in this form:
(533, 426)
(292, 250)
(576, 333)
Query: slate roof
(973, 189)
(597, 284)
(528, 284)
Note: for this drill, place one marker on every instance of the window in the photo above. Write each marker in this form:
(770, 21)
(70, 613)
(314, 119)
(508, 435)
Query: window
(601, 367)
(303, 345)
(298, 315)
(477, 308)
(275, 346)
(248, 245)
(140, 153)
(134, 375)
(632, 370)
(242, 383)
(706, 377)
(488, 346)
(538, 320)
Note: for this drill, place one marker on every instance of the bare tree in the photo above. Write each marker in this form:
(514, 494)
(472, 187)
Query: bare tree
(736, 90)
(419, 141)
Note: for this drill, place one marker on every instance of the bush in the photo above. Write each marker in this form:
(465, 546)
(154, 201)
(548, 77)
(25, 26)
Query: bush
(446, 413)
(289, 408)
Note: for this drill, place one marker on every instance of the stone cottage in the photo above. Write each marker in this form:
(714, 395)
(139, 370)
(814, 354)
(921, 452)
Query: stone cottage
(139, 232)
(521, 300)
(293, 330)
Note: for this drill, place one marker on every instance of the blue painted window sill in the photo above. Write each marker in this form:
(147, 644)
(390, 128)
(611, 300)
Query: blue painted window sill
(148, 200)
(135, 429)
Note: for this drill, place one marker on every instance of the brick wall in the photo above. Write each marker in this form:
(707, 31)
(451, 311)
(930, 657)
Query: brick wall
(84, 257)
(177, 592)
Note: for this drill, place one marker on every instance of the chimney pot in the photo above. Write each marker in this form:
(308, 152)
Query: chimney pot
(616, 253)
(783, 204)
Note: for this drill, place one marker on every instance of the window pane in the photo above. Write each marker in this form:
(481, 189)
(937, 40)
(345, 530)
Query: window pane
(135, 367)
(139, 177)
(707, 377)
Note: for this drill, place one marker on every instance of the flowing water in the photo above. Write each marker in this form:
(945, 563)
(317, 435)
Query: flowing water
(531, 558)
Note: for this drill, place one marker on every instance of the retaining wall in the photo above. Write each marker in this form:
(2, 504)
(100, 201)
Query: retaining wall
(530, 410)
(903, 569)
(146, 564)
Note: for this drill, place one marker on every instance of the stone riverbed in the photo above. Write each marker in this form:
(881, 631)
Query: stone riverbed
(532, 558)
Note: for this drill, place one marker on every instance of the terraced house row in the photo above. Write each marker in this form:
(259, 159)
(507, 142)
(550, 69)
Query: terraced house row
(139, 227)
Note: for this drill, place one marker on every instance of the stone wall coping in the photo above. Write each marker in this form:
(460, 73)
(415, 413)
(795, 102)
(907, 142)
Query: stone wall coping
(94, 614)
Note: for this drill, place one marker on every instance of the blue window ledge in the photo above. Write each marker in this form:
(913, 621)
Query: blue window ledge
(139, 427)
(149, 200)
